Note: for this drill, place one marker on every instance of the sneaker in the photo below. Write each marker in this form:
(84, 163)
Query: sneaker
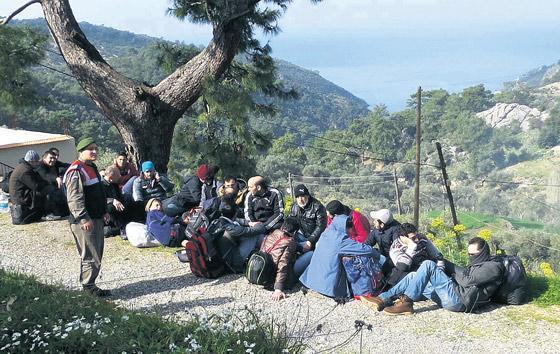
(403, 306)
(375, 302)
(50, 217)
(94, 290)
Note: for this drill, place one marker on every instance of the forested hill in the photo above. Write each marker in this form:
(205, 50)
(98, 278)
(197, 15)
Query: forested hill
(321, 104)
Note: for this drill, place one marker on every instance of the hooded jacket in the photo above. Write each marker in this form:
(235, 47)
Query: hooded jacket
(477, 283)
(384, 238)
(325, 274)
(283, 250)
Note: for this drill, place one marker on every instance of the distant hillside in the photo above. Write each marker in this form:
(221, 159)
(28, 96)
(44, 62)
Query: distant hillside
(321, 105)
(544, 75)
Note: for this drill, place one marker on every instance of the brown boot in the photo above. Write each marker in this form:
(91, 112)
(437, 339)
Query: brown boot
(403, 306)
(375, 302)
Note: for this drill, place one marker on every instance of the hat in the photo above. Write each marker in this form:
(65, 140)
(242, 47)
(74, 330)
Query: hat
(148, 166)
(384, 215)
(84, 143)
(301, 190)
(32, 155)
(206, 171)
(335, 207)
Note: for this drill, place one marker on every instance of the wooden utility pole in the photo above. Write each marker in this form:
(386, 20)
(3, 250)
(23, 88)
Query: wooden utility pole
(447, 184)
(397, 194)
(418, 137)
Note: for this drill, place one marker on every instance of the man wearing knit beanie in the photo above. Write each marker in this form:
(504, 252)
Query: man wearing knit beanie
(194, 191)
(27, 190)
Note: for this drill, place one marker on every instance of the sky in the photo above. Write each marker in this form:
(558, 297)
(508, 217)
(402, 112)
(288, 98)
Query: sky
(380, 50)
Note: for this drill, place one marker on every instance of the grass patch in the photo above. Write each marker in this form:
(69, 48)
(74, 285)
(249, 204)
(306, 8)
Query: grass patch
(476, 221)
(521, 315)
(37, 317)
(544, 291)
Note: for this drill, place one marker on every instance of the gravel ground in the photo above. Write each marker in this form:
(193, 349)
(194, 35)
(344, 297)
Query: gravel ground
(152, 280)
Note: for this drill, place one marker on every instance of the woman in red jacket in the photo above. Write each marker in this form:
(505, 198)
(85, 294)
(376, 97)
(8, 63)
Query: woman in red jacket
(358, 226)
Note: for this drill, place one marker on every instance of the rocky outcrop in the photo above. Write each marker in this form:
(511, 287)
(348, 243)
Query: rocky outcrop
(513, 115)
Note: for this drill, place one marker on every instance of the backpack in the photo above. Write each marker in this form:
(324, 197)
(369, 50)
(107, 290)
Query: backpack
(513, 290)
(261, 268)
(204, 259)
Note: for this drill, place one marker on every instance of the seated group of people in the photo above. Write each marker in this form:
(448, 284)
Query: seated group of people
(330, 249)
(35, 188)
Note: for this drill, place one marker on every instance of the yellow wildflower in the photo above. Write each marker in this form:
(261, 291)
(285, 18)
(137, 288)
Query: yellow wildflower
(485, 234)
(439, 243)
(459, 228)
(547, 269)
(437, 222)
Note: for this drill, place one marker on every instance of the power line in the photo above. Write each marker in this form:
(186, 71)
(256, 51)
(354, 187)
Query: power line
(56, 70)
(519, 183)
(385, 175)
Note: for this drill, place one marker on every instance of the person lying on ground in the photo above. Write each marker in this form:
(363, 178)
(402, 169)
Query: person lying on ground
(409, 250)
(264, 205)
(151, 184)
(360, 224)
(27, 191)
(463, 290)
(325, 274)
(312, 218)
(191, 194)
(282, 247)
(169, 231)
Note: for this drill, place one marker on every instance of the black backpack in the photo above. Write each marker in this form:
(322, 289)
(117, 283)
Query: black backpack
(261, 269)
(513, 290)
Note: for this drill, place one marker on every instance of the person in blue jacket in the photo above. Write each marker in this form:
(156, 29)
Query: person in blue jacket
(326, 274)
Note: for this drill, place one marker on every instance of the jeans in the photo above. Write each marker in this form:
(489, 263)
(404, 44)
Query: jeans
(302, 262)
(428, 281)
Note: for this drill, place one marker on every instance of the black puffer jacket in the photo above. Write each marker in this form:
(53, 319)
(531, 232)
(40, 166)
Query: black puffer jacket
(312, 219)
(384, 238)
(477, 283)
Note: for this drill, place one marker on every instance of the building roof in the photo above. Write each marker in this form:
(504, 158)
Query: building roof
(14, 138)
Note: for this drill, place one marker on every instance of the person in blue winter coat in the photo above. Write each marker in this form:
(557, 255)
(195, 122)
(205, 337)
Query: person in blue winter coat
(326, 274)
(169, 231)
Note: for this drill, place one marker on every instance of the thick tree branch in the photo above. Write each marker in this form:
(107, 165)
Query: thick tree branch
(13, 14)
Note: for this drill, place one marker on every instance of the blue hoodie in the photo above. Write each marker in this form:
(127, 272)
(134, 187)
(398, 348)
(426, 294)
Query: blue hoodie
(325, 274)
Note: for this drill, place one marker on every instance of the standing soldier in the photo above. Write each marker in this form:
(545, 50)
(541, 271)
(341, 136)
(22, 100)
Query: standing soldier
(87, 204)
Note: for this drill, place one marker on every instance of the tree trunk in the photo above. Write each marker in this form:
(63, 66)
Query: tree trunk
(145, 116)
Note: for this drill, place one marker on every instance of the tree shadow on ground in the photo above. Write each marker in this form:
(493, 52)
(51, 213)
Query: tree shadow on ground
(159, 285)
(172, 308)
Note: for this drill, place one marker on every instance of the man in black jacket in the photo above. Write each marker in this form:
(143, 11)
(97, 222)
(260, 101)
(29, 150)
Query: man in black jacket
(463, 290)
(193, 193)
(264, 205)
(312, 219)
(55, 200)
(27, 190)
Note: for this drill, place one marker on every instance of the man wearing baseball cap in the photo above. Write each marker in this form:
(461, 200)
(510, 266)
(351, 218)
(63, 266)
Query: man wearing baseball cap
(88, 210)
(312, 218)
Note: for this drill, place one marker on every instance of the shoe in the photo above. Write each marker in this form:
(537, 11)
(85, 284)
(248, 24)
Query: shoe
(403, 306)
(50, 217)
(375, 302)
(94, 290)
